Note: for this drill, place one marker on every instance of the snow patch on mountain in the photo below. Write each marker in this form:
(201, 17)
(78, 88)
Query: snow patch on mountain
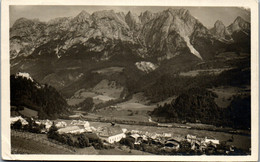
(146, 66)
(192, 49)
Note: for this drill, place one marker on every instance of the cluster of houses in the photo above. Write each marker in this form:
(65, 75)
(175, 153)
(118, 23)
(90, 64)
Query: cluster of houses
(200, 143)
(110, 134)
(163, 139)
(114, 133)
(167, 140)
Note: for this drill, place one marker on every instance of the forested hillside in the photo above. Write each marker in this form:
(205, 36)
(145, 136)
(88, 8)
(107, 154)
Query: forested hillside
(42, 98)
(198, 105)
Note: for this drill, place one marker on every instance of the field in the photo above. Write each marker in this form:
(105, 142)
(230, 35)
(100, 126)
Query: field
(104, 91)
(231, 55)
(194, 73)
(109, 71)
(30, 143)
(134, 109)
(74, 101)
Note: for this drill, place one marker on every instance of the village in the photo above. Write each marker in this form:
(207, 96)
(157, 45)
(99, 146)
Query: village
(80, 133)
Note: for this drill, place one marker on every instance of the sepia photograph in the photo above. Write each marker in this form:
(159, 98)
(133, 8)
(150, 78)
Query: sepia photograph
(139, 80)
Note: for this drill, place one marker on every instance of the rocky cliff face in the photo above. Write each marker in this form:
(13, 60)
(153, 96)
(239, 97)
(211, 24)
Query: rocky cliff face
(25, 36)
(239, 24)
(146, 16)
(220, 31)
(160, 35)
(133, 21)
(82, 42)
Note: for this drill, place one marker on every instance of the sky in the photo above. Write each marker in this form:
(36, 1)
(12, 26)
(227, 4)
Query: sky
(207, 15)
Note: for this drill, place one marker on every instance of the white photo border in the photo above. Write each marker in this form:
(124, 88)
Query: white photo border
(5, 78)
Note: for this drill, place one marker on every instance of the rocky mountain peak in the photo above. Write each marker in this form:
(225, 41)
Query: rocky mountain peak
(218, 23)
(132, 16)
(146, 16)
(180, 12)
(162, 35)
(121, 15)
(183, 12)
(239, 24)
(147, 13)
(104, 14)
(220, 31)
(132, 21)
(58, 20)
(24, 22)
(173, 25)
(82, 16)
(239, 19)
(25, 28)
(84, 13)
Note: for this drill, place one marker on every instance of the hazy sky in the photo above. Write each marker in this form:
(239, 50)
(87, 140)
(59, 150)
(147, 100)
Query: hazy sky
(206, 15)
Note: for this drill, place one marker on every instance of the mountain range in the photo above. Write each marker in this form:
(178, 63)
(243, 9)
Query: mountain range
(65, 51)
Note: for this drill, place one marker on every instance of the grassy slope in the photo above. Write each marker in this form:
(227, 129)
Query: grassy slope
(31, 143)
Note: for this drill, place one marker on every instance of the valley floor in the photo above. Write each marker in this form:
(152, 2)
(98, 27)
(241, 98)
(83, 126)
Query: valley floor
(31, 143)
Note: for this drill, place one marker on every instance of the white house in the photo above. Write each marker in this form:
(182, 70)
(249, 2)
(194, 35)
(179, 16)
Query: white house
(167, 134)
(61, 124)
(112, 134)
(76, 126)
(80, 122)
(191, 138)
(213, 141)
(14, 119)
(47, 124)
(124, 130)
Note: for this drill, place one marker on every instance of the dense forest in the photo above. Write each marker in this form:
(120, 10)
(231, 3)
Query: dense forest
(87, 104)
(170, 85)
(197, 105)
(42, 98)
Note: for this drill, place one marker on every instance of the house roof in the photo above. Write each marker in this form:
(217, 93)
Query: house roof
(172, 142)
(70, 128)
(28, 112)
(111, 131)
(135, 136)
(176, 139)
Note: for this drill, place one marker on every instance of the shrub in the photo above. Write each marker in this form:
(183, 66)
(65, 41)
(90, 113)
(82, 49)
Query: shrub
(83, 140)
(93, 138)
(53, 134)
(17, 125)
(76, 140)
(185, 147)
(128, 141)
